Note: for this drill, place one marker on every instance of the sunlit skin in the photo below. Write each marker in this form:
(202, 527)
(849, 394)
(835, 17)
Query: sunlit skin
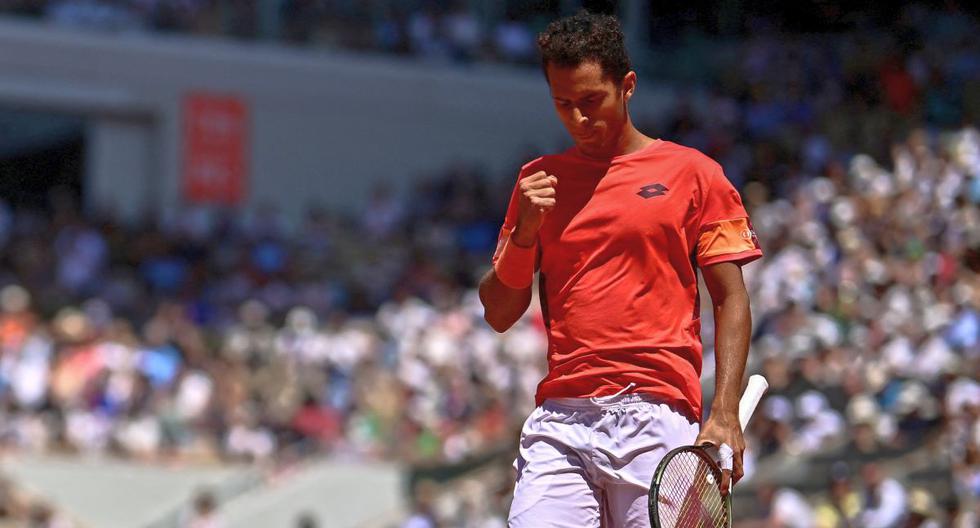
(594, 108)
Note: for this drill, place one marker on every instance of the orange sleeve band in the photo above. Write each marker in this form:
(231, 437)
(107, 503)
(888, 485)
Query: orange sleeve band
(515, 265)
(728, 240)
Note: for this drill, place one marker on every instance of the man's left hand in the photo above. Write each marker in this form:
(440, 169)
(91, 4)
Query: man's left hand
(723, 428)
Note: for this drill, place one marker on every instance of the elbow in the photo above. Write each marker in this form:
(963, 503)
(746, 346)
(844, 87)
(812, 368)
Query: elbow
(499, 325)
(491, 313)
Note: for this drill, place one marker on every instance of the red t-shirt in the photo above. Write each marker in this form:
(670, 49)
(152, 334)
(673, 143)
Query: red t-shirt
(617, 258)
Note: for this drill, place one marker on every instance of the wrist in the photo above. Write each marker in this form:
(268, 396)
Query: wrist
(523, 238)
(724, 412)
(515, 265)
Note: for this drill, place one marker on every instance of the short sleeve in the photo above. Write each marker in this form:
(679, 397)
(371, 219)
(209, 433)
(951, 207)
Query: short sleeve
(725, 232)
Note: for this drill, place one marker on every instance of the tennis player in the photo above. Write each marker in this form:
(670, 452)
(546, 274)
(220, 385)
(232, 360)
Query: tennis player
(617, 226)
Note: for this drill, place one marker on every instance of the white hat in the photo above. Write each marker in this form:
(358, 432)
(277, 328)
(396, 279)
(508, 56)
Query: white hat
(863, 409)
(778, 408)
(810, 404)
(962, 392)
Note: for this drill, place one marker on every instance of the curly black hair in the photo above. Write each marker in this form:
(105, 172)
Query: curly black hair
(585, 37)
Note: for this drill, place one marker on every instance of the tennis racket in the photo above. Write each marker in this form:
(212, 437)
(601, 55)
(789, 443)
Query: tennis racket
(686, 488)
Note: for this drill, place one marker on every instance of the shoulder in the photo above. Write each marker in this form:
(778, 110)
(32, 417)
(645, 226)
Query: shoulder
(548, 163)
(692, 159)
(703, 173)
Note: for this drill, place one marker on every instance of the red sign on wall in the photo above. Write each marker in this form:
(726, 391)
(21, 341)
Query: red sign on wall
(215, 148)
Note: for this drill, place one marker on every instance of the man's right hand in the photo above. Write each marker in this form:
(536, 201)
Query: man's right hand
(537, 200)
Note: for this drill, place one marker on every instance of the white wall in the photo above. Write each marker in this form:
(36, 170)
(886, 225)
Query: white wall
(325, 126)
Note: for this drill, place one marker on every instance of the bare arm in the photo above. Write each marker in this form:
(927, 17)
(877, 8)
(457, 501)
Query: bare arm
(733, 328)
(503, 306)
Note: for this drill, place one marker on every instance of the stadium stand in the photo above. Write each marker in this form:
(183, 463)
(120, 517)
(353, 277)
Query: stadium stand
(224, 338)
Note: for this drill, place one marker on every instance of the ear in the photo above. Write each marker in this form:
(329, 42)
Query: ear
(629, 85)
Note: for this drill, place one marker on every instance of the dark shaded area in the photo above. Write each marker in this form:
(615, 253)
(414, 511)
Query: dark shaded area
(27, 179)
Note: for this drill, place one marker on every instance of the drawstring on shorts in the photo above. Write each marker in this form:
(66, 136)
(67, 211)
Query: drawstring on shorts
(616, 407)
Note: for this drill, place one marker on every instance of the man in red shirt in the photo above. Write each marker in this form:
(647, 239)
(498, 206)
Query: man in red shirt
(617, 226)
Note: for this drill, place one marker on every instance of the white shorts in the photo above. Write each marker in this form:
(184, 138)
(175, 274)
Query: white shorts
(588, 462)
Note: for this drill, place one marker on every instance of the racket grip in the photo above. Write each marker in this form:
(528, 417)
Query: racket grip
(750, 398)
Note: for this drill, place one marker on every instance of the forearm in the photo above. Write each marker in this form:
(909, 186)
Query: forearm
(733, 329)
(502, 305)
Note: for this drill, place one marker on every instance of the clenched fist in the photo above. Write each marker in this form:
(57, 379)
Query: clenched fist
(537, 200)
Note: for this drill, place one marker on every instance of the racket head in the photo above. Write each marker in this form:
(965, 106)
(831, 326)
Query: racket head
(686, 491)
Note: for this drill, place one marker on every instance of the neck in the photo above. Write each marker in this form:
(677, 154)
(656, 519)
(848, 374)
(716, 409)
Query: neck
(628, 141)
(631, 140)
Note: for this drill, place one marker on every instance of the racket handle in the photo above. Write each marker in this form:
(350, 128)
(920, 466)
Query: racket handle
(750, 398)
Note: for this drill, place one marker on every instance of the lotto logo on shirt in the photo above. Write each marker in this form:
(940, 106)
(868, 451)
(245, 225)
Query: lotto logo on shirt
(654, 189)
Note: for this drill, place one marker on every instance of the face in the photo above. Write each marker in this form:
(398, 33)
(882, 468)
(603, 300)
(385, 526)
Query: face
(871, 475)
(591, 105)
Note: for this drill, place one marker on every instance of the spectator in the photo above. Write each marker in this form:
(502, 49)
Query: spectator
(216, 336)
(886, 501)
(922, 510)
(843, 505)
(306, 520)
(422, 515)
(204, 513)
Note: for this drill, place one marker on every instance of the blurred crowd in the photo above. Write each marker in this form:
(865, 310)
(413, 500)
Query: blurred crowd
(447, 31)
(19, 509)
(210, 336)
(219, 336)
(216, 337)
(867, 305)
(207, 335)
(822, 48)
(867, 313)
(866, 316)
(778, 107)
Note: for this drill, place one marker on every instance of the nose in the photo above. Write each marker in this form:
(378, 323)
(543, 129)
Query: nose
(579, 118)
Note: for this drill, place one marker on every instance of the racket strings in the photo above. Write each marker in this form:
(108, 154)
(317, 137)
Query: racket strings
(689, 494)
